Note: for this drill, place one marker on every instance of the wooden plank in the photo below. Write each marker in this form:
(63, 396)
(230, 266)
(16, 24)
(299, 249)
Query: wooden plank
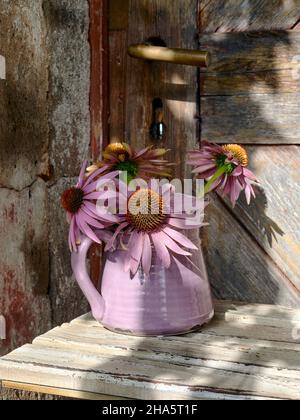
(230, 350)
(118, 15)
(99, 76)
(151, 375)
(62, 392)
(251, 119)
(270, 314)
(248, 83)
(230, 329)
(254, 52)
(266, 218)
(242, 272)
(91, 380)
(99, 100)
(240, 15)
(117, 90)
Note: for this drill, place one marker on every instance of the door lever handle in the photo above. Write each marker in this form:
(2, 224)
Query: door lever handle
(170, 55)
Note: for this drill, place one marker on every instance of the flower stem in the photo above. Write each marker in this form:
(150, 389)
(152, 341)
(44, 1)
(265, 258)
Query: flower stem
(217, 175)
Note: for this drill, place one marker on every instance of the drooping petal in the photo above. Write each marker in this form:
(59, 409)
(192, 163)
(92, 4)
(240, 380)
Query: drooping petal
(249, 174)
(238, 171)
(111, 243)
(161, 250)
(169, 243)
(95, 174)
(81, 175)
(205, 167)
(136, 252)
(178, 223)
(147, 255)
(86, 230)
(180, 238)
(90, 220)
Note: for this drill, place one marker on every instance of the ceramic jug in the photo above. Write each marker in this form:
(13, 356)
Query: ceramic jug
(169, 301)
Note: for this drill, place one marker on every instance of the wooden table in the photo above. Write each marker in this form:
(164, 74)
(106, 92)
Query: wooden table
(247, 352)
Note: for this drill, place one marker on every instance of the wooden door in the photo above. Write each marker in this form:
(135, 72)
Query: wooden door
(249, 95)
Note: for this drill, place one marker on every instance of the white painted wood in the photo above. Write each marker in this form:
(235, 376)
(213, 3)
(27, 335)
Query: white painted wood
(2, 67)
(247, 352)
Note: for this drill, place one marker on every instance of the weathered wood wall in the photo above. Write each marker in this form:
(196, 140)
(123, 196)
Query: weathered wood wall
(44, 136)
(250, 95)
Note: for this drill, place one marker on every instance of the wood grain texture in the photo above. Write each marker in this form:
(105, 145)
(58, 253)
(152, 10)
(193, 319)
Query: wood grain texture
(230, 359)
(273, 218)
(237, 267)
(247, 62)
(117, 87)
(240, 15)
(252, 80)
(251, 119)
(175, 22)
(99, 76)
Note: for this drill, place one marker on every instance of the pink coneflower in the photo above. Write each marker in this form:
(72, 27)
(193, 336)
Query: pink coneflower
(80, 205)
(146, 164)
(225, 169)
(150, 224)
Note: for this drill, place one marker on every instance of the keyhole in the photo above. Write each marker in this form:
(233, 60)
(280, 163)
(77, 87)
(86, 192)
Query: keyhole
(158, 128)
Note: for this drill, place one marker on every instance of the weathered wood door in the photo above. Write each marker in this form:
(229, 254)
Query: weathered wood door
(249, 95)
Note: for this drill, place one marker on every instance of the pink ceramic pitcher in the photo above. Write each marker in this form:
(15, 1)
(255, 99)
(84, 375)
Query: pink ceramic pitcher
(170, 301)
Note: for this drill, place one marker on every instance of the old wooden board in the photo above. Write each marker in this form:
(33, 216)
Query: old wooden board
(250, 95)
(259, 241)
(247, 352)
(253, 79)
(240, 15)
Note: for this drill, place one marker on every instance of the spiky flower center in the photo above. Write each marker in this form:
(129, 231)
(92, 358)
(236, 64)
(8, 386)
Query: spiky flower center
(72, 200)
(146, 210)
(238, 153)
(117, 149)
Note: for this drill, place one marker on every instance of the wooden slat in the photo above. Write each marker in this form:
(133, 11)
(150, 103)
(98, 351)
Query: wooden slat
(117, 90)
(252, 119)
(273, 218)
(240, 15)
(178, 349)
(230, 328)
(253, 78)
(266, 224)
(243, 271)
(62, 392)
(155, 374)
(238, 53)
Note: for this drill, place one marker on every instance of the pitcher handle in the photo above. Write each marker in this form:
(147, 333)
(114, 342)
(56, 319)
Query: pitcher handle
(80, 271)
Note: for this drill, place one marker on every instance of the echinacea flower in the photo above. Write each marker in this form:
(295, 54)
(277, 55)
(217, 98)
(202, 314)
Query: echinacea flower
(146, 164)
(152, 225)
(80, 205)
(225, 170)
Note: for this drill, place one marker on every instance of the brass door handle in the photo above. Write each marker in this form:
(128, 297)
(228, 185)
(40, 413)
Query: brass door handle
(170, 55)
